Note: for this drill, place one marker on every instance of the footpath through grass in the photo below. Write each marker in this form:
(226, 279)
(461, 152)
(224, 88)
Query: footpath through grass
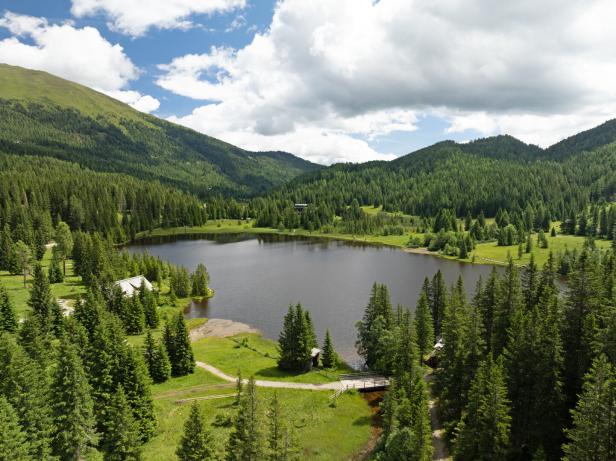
(255, 356)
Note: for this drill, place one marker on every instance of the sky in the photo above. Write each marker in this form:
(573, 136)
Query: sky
(334, 80)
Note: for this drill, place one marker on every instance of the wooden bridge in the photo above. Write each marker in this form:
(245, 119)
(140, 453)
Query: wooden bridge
(364, 382)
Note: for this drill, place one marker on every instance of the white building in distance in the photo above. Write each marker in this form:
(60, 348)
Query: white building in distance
(131, 285)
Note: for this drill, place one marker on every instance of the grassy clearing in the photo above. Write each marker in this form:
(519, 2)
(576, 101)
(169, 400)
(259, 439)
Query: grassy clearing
(323, 432)
(70, 289)
(491, 253)
(257, 358)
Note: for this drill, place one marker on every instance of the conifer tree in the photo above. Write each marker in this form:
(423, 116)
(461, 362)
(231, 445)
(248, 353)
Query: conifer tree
(136, 383)
(510, 300)
(438, 300)
(121, 441)
(150, 310)
(582, 311)
(329, 358)
(156, 359)
(196, 442)
(41, 300)
(200, 280)
(183, 360)
(22, 386)
(593, 434)
(64, 243)
(530, 277)
(72, 407)
(376, 322)
(13, 441)
(8, 321)
(133, 315)
(55, 273)
(22, 258)
(280, 442)
(312, 337)
(246, 441)
(424, 326)
(295, 340)
(239, 387)
(483, 433)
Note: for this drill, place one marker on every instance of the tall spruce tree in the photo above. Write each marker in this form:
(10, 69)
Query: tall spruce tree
(424, 326)
(64, 243)
(72, 406)
(296, 340)
(23, 384)
(593, 434)
(121, 441)
(156, 359)
(483, 432)
(510, 294)
(196, 442)
(246, 441)
(41, 300)
(200, 280)
(378, 319)
(8, 320)
(183, 359)
(13, 441)
(438, 300)
(329, 358)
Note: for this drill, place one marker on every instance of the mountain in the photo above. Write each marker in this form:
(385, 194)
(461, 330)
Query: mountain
(486, 175)
(585, 141)
(44, 115)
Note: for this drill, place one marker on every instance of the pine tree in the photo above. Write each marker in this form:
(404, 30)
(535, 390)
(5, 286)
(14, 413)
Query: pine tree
(246, 441)
(329, 358)
(378, 315)
(121, 440)
(150, 310)
(438, 300)
(22, 255)
(133, 315)
(483, 432)
(72, 406)
(279, 443)
(41, 300)
(196, 442)
(312, 337)
(593, 435)
(296, 340)
(22, 384)
(530, 277)
(156, 359)
(136, 383)
(200, 280)
(510, 300)
(64, 243)
(8, 321)
(13, 441)
(55, 273)
(183, 362)
(424, 325)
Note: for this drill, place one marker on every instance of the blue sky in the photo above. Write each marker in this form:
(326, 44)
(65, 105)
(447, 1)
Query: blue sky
(350, 80)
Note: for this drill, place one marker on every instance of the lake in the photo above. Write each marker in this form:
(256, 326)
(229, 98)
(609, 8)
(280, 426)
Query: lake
(256, 278)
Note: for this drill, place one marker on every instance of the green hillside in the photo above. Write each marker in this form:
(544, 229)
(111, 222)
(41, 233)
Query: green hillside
(44, 115)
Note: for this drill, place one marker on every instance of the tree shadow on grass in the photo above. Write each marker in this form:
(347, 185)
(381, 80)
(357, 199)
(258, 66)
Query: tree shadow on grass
(274, 372)
(363, 421)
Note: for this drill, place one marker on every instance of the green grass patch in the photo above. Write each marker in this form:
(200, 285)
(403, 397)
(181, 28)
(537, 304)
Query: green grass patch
(257, 358)
(323, 432)
(491, 253)
(70, 289)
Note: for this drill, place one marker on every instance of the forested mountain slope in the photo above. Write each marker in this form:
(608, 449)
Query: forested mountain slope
(44, 115)
(485, 175)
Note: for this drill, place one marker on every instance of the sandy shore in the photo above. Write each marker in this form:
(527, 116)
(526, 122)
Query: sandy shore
(220, 328)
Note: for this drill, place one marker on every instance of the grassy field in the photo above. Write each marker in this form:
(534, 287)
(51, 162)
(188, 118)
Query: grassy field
(256, 357)
(491, 253)
(323, 432)
(70, 289)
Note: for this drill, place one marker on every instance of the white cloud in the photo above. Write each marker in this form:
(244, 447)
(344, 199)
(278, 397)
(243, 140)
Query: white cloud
(143, 103)
(78, 54)
(354, 70)
(135, 17)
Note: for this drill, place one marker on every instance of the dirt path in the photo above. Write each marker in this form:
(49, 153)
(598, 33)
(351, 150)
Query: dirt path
(440, 453)
(220, 328)
(274, 384)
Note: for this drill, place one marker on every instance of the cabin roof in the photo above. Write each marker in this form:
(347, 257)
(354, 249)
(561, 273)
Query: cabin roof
(130, 285)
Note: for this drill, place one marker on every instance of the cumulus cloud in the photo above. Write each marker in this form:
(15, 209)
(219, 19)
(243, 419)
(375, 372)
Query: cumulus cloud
(332, 75)
(135, 17)
(78, 54)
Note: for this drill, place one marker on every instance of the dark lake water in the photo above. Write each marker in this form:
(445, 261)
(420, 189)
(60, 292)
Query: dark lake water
(257, 277)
